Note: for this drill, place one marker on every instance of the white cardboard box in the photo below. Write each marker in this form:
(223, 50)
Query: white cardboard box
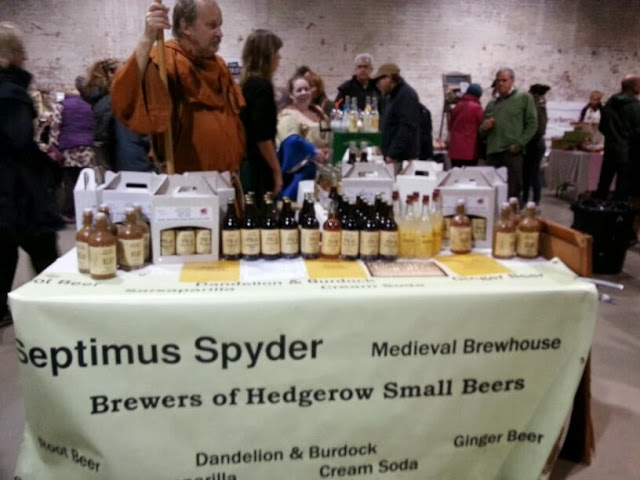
(123, 189)
(366, 179)
(419, 176)
(498, 178)
(220, 183)
(85, 193)
(184, 201)
(479, 196)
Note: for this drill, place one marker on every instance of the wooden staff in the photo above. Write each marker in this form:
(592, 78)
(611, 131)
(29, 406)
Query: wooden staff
(168, 135)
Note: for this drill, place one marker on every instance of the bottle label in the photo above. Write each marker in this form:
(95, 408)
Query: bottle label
(310, 241)
(185, 242)
(504, 245)
(290, 241)
(102, 260)
(167, 242)
(131, 252)
(250, 241)
(369, 243)
(389, 244)
(350, 243)
(146, 239)
(83, 256)
(203, 241)
(270, 242)
(460, 239)
(331, 243)
(527, 244)
(408, 243)
(424, 248)
(230, 242)
(479, 228)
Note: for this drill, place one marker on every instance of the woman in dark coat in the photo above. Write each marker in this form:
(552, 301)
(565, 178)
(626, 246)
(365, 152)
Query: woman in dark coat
(29, 217)
(261, 170)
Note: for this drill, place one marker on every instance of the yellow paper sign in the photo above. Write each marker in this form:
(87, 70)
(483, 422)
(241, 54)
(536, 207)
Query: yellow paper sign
(222, 271)
(471, 264)
(334, 269)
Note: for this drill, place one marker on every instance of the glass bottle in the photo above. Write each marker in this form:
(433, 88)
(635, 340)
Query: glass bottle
(515, 210)
(504, 234)
(437, 222)
(331, 233)
(528, 233)
(353, 153)
(113, 228)
(289, 233)
(364, 156)
(353, 115)
(231, 233)
(203, 241)
(270, 232)
(185, 241)
(102, 250)
(146, 231)
(424, 246)
(389, 237)
(82, 241)
(350, 239)
(370, 236)
(374, 116)
(395, 199)
(460, 231)
(408, 231)
(130, 242)
(250, 231)
(309, 230)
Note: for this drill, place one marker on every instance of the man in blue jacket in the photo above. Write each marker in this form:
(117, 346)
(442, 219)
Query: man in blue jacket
(400, 122)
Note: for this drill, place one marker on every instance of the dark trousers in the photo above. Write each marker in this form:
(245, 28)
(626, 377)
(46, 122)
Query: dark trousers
(531, 171)
(624, 180)
(69, 178)
(513, 162)
(41, 247)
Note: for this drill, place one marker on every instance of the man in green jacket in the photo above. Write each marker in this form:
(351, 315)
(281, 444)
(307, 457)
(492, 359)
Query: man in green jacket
(510, 121)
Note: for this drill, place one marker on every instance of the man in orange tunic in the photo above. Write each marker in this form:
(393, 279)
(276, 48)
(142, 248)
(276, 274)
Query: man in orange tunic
(203, 102)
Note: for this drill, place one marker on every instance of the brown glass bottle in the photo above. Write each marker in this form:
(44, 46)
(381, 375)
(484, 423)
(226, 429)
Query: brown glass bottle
(369, 235)
(102, 250)
(528, 233)
(231, 233)
(460, 231)
(350, 239)
(130, 249)
(270, 232)
(289, 233)
(82, 241)
(389, 237)
(113, 228)
(250, 231)
(504, 234)
(309, 230)
(146, 231)
(515, 210)
(331, 233)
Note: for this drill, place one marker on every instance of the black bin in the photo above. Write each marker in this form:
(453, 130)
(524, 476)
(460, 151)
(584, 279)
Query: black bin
(611, 226)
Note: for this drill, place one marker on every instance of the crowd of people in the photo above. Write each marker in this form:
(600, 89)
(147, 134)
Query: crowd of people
(118, 114)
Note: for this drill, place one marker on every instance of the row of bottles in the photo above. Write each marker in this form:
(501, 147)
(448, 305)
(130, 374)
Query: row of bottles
(185, 241)
(348, 118)
(420, 225)
(515, 235)
(102, 246)
(351, 231)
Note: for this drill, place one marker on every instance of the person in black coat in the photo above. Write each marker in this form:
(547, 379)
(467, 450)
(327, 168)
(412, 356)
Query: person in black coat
(29, 217)
(261, 171)
(400, 122)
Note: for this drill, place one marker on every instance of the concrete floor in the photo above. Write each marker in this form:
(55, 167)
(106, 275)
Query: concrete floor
(615, 375)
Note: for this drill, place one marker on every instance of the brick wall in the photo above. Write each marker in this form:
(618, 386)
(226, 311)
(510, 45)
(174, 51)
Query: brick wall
(574, 46)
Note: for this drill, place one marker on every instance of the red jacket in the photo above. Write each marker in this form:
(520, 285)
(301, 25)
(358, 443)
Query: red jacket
(464, 121)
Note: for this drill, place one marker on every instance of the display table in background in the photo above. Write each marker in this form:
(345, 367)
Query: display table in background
(573, 169)
(303, 370)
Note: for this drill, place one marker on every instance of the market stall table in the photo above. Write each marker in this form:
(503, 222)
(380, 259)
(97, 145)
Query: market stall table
(295, 369)
(573, 168)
